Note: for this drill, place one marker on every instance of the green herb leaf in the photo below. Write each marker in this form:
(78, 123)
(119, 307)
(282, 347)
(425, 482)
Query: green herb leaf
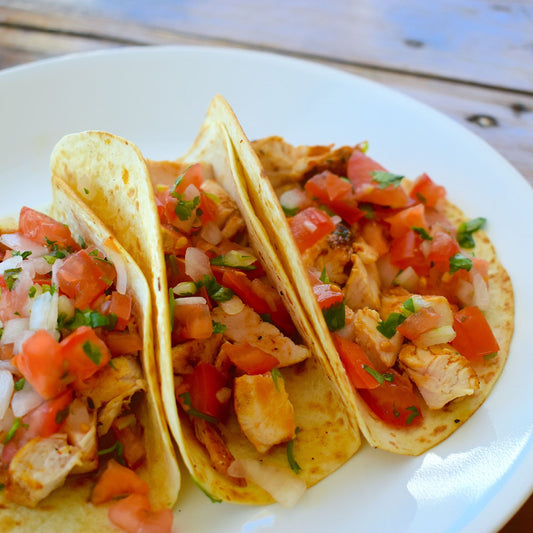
(335, 316)
(290, 211)
(235, 259)
(11, 275)
(90, 318)
(388, 327)
(375, 374)
(185, 208)
(24, 255)
(324, 278)
(368, 210)
(384, 179)
(61, 415)
(295, 467)
(459, 262)
(218, 327)
(92, 352)
(117, 449)
(409, 305)
(32, 291)
(82, 242)
(466, 230)
(17, 423)
(490, 356)
(276, 374)
(422, 232)
(49, 288)
(19, 384)
(414, 413)
(216, 291)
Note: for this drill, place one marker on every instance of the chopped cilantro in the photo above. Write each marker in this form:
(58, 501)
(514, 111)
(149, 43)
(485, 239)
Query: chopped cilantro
(460, 262)
(61, 415)
(216, 291)
(235, 259)
(290, 211)
(422, 232)
(295, 467)
(380, 378)
(85, 190)
(466, 230)
(92, 352)
(324, 278)
(90, 318)
(19, 384)
(414, 413)
(49, 288)
(490, 356)
(17, 423)
(24, 255)
(276, 374)
(184, 208)
(82, 242)
(395, 411)
(11, 275)
(384, 179)
(186, 396)
(32, 291)
(388, 327)
(409, 305)
(117, 449)
(368, 210)
(335, 316)
(218, 327)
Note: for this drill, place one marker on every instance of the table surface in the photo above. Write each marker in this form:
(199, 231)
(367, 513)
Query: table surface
(470, 59)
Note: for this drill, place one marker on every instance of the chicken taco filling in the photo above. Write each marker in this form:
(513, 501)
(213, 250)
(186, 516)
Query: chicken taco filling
(231, 333)
(70, 375)
(398, 279)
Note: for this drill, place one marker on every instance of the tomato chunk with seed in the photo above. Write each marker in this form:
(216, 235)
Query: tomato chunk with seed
(474, 337)
(205, 382)
(249, 359)
(425, 190)
(117, 480)
(309, 226)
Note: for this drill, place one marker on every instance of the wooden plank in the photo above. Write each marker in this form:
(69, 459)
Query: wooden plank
(485, 42)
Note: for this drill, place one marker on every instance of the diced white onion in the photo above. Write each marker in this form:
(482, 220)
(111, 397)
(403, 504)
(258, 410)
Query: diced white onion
(465, 292)
(55, 269)
(336, 219)
(25, 400)
(386, 270)
(6, 391)
(191, 300)
(425, 247)
(191, 192)
(14, 329)
(11, 262)
(41, 265)
(16, 241)
(211, 233)
(197, 264)
(441, 335)
(232, 306)
(408, 279)
(65, 306)
(44, 312)
(281, 483)
(481, 291)
(122, 276)
(293, 198)
(309, 226)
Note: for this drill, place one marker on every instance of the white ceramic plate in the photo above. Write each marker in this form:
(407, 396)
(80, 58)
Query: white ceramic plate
(157, 97)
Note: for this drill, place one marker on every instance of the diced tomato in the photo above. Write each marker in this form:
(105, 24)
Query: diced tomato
(117, 480)
(443, 247)
(47, 419)
(121, 307)
(309, 226)
(474, 337)
(355, 360)
(81, 279)
(84, 352)
(193, 320)
(262, 298)
(360, 168)
(327, 295)
(45, 230)
(205, 382)
(123, 342)
(417, 323)
(406, 219)
(394, 401)
(192, 175)
(425, 190)
(208, 207)
(134, 514)
(249, 359)
(405, 251)
(42, 363)
(336, 193)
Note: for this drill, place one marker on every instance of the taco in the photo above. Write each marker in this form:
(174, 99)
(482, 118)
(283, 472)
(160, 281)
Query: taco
(407, 297)
(255, 413)
(81, 417)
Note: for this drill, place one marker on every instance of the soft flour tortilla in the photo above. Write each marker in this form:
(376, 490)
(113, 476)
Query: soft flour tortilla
(120, 191)
(69, 508)
(276, 156)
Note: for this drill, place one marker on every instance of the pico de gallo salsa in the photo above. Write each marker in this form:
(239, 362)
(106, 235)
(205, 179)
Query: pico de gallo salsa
(231, 332)
(70, 376)
(401, 291)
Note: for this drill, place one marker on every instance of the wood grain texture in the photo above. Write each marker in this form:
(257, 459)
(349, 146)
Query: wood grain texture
(485, 42)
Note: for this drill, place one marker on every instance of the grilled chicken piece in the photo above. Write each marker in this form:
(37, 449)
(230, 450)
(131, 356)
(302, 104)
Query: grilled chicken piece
(40, 467)
(228, 217)
(248, 327)
(264, 411)
(80, 427)
(362, 288)
(440, 373)
(113, 388)
(186, 355)
(381, 351)
(333, 252)
(392, 300)
(219, 453)
(285, 163)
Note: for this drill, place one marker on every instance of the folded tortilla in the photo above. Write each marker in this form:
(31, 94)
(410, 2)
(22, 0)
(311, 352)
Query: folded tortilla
(110, 174)
(69, 507)
(269, 165)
